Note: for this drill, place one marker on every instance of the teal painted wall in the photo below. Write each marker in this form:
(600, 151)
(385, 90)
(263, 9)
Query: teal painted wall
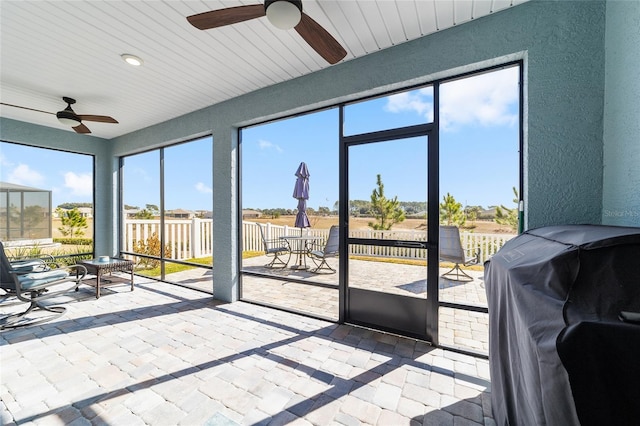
(621, 192)
(562, 46)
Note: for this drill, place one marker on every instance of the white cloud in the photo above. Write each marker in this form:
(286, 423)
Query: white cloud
(201, 187)
(485, 100)
(24, 175)
(4, 161)
(268, 145)
(79, 184)
(415, 101)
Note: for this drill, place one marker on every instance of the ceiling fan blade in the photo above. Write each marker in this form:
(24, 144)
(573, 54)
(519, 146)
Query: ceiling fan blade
(30, 109)
(81, 128)
(98, 118)
(320, 40)
(228, 16)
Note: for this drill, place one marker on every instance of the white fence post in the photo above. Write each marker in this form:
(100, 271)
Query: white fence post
(196, 235)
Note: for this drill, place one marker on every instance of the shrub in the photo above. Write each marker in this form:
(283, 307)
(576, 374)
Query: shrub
(150, 247)
(74, 241)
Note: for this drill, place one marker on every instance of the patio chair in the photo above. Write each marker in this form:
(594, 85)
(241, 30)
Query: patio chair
(451, 251)
(330, 249)
(278, 248)
(42, 262)
(30, 280)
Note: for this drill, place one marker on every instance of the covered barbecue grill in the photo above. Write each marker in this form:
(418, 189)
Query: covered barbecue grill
(559, 353)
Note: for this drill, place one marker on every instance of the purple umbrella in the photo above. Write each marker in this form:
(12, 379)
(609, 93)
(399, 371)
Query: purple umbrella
(301, 193)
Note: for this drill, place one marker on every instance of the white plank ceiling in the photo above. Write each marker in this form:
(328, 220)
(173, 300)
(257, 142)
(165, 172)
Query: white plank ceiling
(51, 49)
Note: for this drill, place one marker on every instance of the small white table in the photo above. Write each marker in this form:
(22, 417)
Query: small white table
(298, 244)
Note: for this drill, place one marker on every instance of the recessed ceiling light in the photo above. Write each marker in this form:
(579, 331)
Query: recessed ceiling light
(131, 59)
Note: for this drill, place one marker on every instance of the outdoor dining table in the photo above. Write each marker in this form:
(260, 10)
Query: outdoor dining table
(298, 244)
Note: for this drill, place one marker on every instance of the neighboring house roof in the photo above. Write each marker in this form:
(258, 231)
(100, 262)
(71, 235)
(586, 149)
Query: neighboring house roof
(15, 187)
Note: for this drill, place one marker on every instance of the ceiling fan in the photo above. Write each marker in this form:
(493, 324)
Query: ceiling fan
(283, 14)
(69, 118)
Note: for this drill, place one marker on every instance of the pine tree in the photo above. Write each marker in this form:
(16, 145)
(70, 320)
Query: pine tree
(386, 212)
(510, 216)
(451, 212)
(72, 221)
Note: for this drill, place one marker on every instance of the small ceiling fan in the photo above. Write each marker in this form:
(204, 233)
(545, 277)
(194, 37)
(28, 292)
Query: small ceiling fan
(69, 118)
(283, 14)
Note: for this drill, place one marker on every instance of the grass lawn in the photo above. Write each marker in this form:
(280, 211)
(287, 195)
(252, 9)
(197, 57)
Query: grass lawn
(171, 268)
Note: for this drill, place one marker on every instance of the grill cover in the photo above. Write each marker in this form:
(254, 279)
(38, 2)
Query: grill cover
(558, 353)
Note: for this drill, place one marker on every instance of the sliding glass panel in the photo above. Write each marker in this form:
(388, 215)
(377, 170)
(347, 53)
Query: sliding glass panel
(188, 220)
(479, 181)
(141, 211)
(46, 202)
(168, 213)
(276, 158)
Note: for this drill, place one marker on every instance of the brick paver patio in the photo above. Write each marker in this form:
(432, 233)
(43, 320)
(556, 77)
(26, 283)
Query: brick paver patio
(166, 355)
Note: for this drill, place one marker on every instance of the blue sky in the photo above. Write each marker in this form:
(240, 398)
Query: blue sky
(478, 148)
(187, 176)
(68, 176)
(478, 155)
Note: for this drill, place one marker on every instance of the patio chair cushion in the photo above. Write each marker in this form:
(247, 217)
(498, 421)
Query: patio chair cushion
(26, 266)
(318, 253)
(35, 279)
(277, 250)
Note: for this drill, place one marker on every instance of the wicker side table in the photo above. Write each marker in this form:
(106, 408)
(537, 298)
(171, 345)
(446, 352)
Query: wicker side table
(100, 267)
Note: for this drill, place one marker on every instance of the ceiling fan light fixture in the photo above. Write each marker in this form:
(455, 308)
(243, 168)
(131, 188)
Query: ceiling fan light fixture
(68, 118)
(132, 60)
(283, 14)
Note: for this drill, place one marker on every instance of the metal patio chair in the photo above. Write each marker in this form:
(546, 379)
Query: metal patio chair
(451, 251)
(30, 280)
(277, 248)
(330, 249)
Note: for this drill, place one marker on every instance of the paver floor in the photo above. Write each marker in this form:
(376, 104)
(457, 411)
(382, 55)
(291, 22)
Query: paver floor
(165, 355)
(289, 289)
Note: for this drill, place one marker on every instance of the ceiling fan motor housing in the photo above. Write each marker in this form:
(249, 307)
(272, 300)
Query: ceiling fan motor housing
(283, 14)
(68, 117)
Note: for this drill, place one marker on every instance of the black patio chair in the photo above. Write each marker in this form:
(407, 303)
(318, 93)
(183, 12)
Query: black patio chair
(30, 280)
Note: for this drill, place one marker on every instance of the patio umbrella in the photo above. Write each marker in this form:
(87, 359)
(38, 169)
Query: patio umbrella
(301, 193)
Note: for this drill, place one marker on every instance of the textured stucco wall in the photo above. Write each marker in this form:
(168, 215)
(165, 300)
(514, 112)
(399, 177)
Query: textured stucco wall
(565, 90)
(562, 45)
(621, 192)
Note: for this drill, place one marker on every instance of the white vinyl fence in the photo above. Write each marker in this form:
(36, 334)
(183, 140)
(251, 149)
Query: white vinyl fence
(185, 238)
(192, 238)
(488, 244)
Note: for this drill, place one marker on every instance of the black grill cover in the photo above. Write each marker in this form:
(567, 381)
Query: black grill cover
(558, 353)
